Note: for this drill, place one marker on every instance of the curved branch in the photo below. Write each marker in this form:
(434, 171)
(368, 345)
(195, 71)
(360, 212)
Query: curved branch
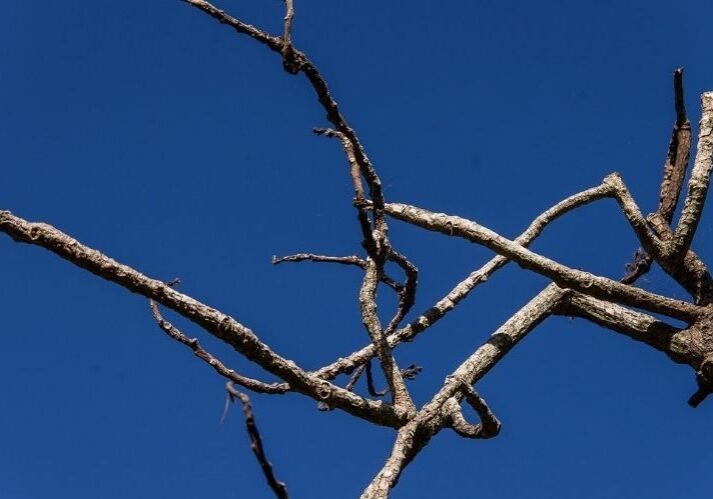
(489, 425)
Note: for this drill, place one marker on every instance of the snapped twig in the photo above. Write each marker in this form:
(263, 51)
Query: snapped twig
(679, 148)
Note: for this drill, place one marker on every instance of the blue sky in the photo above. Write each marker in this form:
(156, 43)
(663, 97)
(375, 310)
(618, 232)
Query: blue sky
(150, 132)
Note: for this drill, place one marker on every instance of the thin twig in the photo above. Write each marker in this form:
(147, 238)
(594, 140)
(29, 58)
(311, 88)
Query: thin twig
(344, 260)
(407, 297)
(370, 383)
(355, 377)
(277, 486)
(205, 356)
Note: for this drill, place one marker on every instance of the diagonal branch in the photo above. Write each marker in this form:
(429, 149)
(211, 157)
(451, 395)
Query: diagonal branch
(462, 290)
(215, 363)
(413, 436)
(599, 287)
(690, 272)
(213, 321)
(274, 43)
(277, 486)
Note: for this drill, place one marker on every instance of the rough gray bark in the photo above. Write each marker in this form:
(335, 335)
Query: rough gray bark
(572, 292)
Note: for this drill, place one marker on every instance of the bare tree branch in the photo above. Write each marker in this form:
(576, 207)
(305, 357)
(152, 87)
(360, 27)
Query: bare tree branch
(344, 260)
(597, 286)
(572, 292)
(463, 289)
(674, 170)
(641, 327)
(413, 436)
(691, 272)
(698, 183)
(367, 304)
(288, 59)
(278, 487)
(215, 363)
(215, 322)
(489, 425)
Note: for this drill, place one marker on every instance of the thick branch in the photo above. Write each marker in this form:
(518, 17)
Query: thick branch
(431, 418)
(489, 425)
(597, 286)
(691, 272)
(698, 183)
(670, 340)
(215, 322)
(634, 216)
(462, 289)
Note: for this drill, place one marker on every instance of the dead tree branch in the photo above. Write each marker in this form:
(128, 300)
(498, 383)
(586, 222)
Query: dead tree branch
(572, 292)
(215, 363)
(278, 487)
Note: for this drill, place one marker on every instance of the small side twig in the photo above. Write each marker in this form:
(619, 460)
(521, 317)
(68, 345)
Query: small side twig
(355, 377)
(343, 260)
(407, 296)
(278, 487)
(639, 266)
(208, 358)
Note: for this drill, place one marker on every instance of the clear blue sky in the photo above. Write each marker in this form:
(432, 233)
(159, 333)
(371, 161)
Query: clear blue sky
(149, 131)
